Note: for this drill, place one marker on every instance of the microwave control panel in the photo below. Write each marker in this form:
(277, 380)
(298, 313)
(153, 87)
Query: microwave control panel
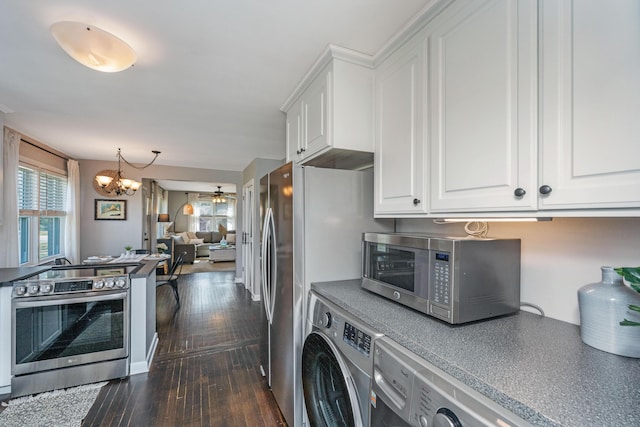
(440, 278)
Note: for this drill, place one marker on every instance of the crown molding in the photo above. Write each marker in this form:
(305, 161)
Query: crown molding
(330, 53)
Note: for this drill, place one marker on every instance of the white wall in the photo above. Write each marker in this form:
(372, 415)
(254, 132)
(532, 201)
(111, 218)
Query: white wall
(110, 237)
(560, 256)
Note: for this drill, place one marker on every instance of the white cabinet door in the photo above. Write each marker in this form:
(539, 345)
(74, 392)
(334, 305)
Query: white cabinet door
(483, 106)
(315, 105)
(294, 131)
(590, 115)
(399, 144)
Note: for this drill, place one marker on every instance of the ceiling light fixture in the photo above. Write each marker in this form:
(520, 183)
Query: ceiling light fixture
(93, 47)
(217, 196)
(115, 184)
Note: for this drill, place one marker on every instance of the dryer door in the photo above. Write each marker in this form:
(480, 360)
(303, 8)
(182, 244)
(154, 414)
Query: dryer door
(330, 393)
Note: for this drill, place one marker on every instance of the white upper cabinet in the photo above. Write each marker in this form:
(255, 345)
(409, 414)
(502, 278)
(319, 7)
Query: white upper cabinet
(590, 104)
(294, 131)
(399, 161)
(482, 73)
(332, 107)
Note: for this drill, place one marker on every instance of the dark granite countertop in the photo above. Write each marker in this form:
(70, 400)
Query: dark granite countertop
(8, 275)
(536, 367)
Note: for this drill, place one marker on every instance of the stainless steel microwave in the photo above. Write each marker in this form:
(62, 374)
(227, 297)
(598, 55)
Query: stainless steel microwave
(455, 279)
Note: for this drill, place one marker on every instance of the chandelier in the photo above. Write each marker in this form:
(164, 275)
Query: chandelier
(217, 196)
(117, 184)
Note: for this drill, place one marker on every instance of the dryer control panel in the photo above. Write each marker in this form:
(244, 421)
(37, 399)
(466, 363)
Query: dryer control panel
(352, 337)
(357, 339)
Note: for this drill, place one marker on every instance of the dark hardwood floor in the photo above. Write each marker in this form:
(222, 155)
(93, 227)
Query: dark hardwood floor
(205, 371)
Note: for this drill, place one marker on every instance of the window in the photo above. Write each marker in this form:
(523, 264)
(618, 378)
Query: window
(210, 215)
(41, 201)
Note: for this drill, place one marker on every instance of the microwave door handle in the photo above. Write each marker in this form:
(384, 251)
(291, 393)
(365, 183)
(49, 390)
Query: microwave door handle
(274, 262)
(266, 295)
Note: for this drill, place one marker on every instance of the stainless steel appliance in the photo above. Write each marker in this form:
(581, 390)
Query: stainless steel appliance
(408, 391)
(337, 361)
(455, 279)
(313, 220)
(70, 326)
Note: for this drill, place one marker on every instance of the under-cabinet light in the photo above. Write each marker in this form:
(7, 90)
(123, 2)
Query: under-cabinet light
(497, 219)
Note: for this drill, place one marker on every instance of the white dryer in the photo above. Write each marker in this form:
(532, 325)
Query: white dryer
(337, 361)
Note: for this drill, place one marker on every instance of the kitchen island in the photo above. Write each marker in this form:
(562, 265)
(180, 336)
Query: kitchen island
(142, 300)
(536, 367)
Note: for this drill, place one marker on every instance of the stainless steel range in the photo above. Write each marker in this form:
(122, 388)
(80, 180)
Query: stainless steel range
(70, 326)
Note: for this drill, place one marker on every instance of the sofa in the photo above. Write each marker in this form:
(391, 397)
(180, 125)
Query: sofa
(196, 244)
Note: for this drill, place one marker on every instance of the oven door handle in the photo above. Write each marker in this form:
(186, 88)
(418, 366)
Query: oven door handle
(60, 300)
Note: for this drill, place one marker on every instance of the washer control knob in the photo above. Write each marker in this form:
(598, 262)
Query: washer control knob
(446, 418)
(424, 422)
(326, 321)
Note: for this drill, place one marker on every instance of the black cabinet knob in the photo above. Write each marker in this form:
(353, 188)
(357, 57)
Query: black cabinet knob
(519, 192)
(416, 202)
(545, 189)
(302, 150)
(298, 151)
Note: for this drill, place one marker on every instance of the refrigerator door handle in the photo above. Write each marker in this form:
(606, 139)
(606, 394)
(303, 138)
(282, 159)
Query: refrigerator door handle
(266, 293)
(274, 259)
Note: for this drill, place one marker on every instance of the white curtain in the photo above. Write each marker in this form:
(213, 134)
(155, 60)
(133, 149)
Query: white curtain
(192, 220)
(72, 226)
(9, 227)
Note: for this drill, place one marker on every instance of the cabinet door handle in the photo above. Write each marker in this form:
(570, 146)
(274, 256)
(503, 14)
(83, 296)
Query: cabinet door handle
(545, 189)
(416, 202)
(519, 192)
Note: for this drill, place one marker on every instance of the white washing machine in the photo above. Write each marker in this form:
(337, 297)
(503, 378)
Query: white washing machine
(337, 361)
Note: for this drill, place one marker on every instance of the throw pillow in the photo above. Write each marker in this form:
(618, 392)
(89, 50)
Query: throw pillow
(191, 235)
(177, 239)
(231, 238)
(196, 241)
(185, 237)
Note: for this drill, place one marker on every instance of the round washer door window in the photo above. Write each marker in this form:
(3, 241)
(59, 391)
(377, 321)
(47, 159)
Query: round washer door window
(328, 396)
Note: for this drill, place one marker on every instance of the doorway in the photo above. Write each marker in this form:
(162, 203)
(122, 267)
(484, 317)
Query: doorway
(248, 210)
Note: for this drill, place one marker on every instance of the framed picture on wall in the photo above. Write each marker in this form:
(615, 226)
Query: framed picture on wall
(111, 210)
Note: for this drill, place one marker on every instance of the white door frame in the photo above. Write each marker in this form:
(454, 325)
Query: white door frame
(248, 211)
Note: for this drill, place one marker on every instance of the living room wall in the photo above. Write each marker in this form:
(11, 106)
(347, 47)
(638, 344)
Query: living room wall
(110, 237)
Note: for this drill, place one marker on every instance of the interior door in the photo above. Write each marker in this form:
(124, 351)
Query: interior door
(247, 237)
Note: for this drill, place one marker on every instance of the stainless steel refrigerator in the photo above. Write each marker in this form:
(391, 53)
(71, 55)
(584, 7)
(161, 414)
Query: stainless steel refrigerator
(312, 225)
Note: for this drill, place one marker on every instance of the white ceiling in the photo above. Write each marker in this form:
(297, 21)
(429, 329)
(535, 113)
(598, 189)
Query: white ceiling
(206, 89)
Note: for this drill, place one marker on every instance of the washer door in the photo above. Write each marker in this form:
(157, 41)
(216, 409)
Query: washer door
(329, 391)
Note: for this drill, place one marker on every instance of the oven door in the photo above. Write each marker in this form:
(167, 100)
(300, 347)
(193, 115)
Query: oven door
(61, 331)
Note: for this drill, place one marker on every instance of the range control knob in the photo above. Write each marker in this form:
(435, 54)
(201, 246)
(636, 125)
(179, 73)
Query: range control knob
(20, 290)
(396, 294)
(424, 422)
(46, 288)
(33, 289)
(109, 283)
(327, 319)
(446, 418)
(120, 283)
(98, 284)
